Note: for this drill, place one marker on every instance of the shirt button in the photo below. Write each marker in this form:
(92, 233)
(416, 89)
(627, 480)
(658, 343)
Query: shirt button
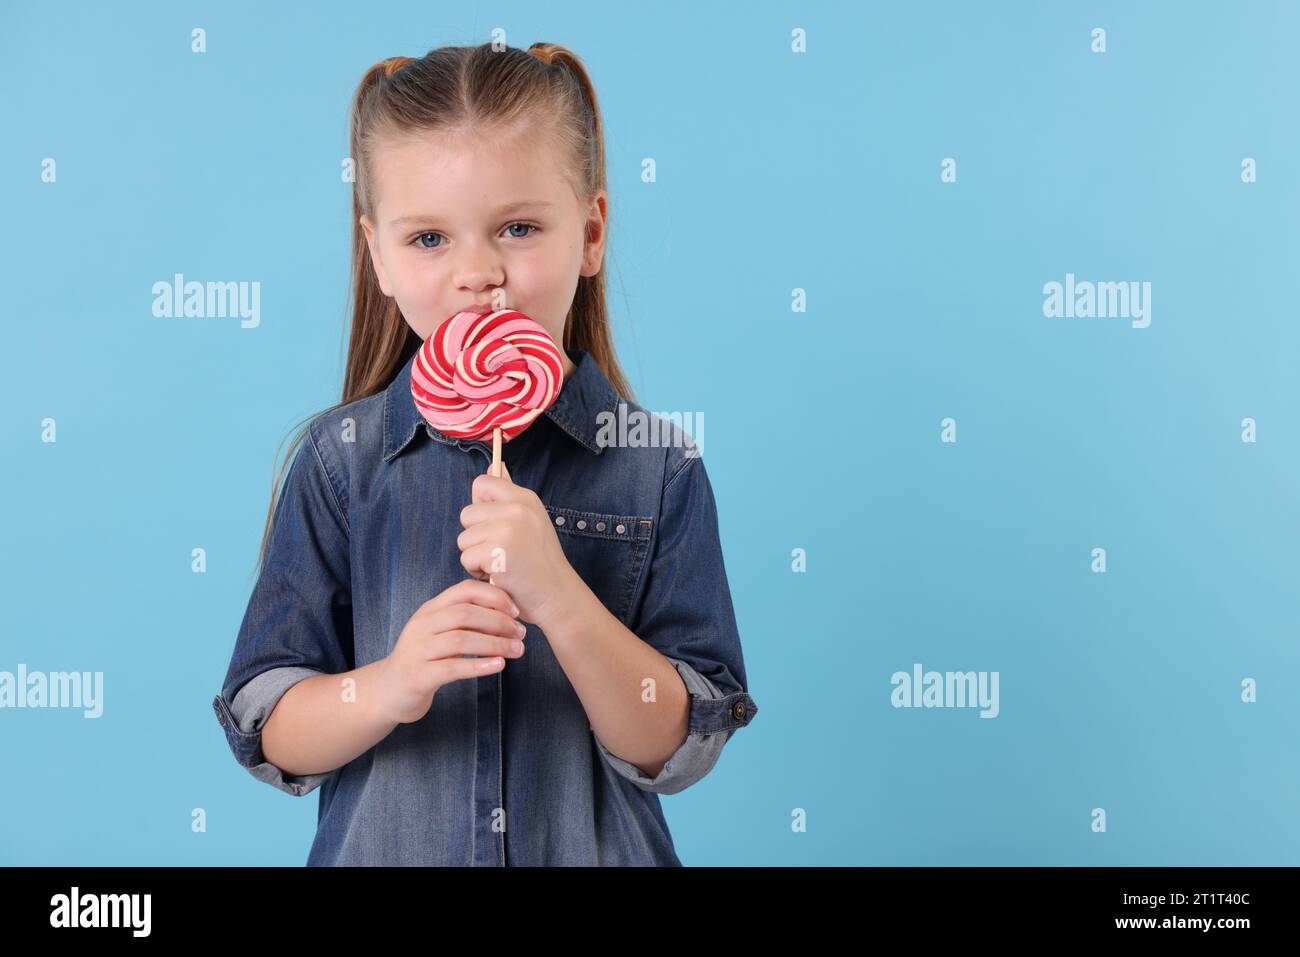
(738, 710)
(600, 526)
(620, 529)
(559, 520)
(582, 523)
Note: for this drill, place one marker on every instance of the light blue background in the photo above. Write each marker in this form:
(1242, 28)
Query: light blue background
(775, 171)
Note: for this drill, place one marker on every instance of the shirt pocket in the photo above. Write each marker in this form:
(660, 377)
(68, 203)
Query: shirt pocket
(606, 549)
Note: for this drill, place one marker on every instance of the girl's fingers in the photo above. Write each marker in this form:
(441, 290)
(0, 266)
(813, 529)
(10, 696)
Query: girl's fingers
(490, 621)
(447, 670)
(476, 592)
(453, 644)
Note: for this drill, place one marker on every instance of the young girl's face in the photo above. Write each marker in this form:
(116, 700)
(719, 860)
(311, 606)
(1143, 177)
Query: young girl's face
(467, 220)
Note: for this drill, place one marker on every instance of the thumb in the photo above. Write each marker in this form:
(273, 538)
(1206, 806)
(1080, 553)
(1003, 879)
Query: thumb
(480, 492)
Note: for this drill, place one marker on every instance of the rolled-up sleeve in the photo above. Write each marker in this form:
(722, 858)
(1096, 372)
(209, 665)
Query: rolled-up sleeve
(686, 614)
(298, 622)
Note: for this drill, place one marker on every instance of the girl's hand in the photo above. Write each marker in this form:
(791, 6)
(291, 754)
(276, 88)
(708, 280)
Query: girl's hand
(469, 618)
(509, 537)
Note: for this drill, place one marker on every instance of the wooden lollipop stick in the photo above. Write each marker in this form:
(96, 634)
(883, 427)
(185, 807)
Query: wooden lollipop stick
(496, 465)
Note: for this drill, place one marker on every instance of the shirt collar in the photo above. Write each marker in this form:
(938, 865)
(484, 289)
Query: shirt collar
(583, 396)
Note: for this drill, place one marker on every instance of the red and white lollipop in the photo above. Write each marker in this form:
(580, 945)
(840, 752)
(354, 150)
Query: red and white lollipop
(486, 374)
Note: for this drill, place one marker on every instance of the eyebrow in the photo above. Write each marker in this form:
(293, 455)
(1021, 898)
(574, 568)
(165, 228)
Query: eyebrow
(503, 211)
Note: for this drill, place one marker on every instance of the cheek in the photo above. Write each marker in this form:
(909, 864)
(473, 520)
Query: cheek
(544, 286)
(554, 273)
(416, 288)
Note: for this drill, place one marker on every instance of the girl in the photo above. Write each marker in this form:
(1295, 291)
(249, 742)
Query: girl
(375, 659)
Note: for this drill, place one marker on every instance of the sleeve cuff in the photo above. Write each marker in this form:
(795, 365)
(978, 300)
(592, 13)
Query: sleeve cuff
(713, 717)
(243, 718)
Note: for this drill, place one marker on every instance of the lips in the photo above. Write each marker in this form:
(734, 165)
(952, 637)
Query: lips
(481, 308)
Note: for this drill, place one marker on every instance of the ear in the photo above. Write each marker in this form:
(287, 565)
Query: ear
(375, 261)
(593, 251)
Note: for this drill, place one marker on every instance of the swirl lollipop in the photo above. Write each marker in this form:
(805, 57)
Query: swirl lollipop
(482, 374)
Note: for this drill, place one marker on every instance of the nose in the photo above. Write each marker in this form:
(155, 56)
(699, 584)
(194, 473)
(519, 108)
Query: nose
(478, 270)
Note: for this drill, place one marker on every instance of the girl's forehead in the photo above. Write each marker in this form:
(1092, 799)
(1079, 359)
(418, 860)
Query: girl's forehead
(521, 144)
(467, 169)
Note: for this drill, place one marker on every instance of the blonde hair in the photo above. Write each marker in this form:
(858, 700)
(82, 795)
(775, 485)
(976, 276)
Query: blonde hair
(454, 88)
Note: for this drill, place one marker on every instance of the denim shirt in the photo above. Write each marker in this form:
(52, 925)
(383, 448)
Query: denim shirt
(505, 769)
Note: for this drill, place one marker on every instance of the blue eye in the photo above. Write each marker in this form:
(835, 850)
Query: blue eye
(417, 241)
